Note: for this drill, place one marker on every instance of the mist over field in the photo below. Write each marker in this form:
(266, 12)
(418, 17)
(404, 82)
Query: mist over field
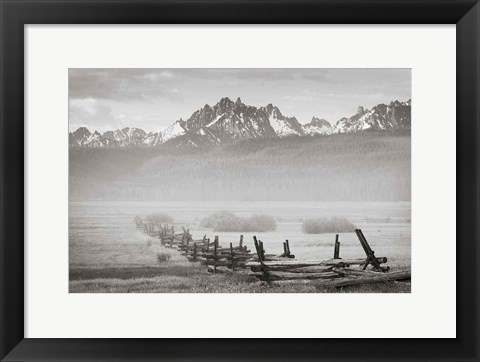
(366, 166)
(239, 180)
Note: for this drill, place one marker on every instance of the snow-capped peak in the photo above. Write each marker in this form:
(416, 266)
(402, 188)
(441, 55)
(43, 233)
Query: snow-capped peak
(173, 131)
(316, 126)
(382, 117)
(283, 126)
(228, 120)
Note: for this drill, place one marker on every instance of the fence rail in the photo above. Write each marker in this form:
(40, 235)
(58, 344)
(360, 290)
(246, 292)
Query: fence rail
(236, 258)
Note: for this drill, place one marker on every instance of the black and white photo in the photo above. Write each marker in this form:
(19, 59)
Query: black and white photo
(239, 180)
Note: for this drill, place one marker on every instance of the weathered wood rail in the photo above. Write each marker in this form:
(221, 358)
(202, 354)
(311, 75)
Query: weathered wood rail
(271, 268)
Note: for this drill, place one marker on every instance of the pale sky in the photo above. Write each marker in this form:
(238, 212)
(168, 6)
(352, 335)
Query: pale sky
(152, 99)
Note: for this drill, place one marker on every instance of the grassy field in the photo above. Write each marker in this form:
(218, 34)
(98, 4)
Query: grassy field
(177, 275)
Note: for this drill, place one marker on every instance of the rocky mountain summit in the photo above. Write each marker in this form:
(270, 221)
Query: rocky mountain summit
(316, 126)
(227, 121)
(394, 116)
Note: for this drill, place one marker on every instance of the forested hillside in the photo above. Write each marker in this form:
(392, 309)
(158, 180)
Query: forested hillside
(368, 166)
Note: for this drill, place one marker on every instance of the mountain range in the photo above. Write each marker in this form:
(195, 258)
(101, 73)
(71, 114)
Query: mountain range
(227, 121)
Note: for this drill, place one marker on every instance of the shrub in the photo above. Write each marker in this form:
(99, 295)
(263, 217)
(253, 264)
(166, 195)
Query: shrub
(159, 218)
(163, 257)
(260, 223)
(325, 225)
(138, 221)
(227, 221)
(212, 220)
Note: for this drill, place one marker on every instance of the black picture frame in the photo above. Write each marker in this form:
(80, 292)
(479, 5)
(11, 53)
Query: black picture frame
(15, 14)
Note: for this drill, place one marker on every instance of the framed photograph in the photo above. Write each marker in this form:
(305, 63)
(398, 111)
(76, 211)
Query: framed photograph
(235, 197)
(239, 180)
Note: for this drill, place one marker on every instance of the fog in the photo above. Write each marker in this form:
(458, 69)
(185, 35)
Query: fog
(350, 167)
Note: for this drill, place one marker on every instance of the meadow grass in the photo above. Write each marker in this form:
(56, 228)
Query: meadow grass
(175, 274)
(327, 225)
(203, 282)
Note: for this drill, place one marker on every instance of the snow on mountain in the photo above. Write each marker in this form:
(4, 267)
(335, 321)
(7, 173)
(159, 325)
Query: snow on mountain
(283, 126)
(126, 137)
(228, 120)
(96, 140)
(316, 126)
(80, 136)
(395, 116)
(223, 122)
(150, 139)
(173, 131)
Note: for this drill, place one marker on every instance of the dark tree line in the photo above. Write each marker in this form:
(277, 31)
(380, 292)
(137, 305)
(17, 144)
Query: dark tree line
(354, 167)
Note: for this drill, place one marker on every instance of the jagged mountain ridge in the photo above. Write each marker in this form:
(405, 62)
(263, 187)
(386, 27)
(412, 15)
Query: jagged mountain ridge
(228, 120)
(316, 126)
(382, 117)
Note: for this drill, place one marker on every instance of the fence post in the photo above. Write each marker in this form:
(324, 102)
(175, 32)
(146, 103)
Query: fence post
(231, 254)
(255, 242)
(288, 247)
(241, 241)
(336, 252)
(194, 251)
(368, 251)
(259, 247)
(206, 254)
(215, 246)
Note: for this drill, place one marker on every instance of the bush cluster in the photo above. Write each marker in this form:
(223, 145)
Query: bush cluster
(163, 257)
(227, 221)
(159, 218)
(326, 225)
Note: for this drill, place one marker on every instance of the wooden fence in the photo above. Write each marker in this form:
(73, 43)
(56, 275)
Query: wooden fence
(275, 269)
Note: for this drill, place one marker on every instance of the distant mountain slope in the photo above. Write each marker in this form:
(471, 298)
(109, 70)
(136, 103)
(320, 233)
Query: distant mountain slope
(228, 121)
(128, 137)
(367, 166)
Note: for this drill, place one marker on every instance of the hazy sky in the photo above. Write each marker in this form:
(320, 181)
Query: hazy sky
(152, 99)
